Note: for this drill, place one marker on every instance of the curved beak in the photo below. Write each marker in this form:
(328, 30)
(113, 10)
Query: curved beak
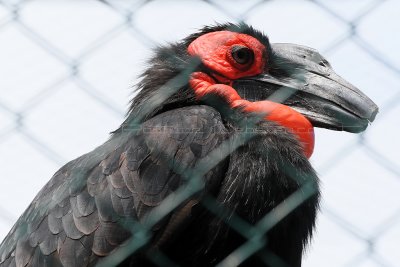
(301, 78)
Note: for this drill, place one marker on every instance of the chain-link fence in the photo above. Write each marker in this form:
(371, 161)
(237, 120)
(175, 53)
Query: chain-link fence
(65, 65)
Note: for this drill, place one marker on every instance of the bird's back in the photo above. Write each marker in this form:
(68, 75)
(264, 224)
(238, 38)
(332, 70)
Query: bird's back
(85, 212)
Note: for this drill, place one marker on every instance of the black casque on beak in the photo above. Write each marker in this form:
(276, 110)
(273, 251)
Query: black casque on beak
(301, 78)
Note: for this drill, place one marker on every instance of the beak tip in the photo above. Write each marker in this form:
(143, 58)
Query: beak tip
(373, 114)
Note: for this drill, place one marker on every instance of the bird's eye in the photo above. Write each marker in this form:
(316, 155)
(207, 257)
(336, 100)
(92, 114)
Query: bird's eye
(242, 55)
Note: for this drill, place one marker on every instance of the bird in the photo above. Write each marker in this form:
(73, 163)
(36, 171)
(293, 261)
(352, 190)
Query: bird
(212, 155)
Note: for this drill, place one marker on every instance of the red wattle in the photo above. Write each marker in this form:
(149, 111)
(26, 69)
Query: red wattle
(292, 120)
(285, 116)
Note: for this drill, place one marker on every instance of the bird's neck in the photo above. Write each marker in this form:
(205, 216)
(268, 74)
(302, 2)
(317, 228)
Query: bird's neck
(204, 86)
(263, 174)
(292, 120)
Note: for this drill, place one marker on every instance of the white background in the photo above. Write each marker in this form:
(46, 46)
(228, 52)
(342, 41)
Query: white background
(48, 116)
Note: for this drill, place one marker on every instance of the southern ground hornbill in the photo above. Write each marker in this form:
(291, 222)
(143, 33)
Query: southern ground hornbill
(224, 96)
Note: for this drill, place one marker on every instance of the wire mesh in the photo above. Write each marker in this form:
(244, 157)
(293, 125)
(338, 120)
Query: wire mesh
(124, 18)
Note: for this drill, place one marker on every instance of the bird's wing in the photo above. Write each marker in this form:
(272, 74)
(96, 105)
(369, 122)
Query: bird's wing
(79, 215)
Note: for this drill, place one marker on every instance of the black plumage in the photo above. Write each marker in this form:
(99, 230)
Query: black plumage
(83, 213)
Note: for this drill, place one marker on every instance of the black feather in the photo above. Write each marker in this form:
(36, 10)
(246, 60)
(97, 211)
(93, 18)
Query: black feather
(81, 215)
(70, 228)
(74, 253)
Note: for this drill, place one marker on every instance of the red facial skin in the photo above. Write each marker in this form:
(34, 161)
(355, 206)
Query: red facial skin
(214, 50)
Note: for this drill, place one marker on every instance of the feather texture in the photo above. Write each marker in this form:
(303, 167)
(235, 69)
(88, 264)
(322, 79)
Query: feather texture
(78, 217)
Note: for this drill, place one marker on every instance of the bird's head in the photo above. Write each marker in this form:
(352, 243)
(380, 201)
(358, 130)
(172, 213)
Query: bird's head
(243, 58)
(294, 75)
